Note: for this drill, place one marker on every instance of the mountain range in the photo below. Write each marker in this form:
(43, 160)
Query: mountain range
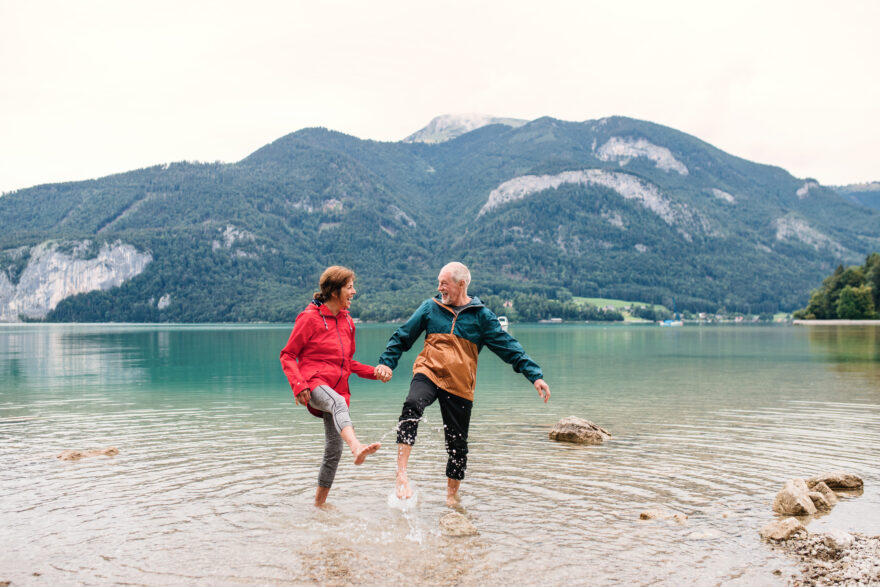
(614, 207)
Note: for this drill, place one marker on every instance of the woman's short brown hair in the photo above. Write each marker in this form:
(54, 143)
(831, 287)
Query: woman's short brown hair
(332, 281)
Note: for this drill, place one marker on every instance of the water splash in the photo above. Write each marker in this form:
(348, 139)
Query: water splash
(396, 427)
(404, 505)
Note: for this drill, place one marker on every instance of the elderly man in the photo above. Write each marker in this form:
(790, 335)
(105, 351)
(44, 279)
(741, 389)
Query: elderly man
(457, 327)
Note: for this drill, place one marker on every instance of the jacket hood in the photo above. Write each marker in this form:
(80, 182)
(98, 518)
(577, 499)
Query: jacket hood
(320, 308)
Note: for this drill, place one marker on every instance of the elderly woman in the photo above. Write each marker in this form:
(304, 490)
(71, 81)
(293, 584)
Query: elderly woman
(318, 360)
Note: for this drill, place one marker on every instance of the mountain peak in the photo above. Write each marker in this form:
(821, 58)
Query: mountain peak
(448, 126)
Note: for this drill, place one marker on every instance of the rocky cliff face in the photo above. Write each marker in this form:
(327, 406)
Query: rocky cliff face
(55, 271)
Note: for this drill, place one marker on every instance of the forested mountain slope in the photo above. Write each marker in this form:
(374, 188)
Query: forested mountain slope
(614, 207)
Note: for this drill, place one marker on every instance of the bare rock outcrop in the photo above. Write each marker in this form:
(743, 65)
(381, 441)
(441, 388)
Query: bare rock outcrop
(75, 455)
(578, 430)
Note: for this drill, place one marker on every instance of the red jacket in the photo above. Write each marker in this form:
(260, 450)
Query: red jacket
(320, 351)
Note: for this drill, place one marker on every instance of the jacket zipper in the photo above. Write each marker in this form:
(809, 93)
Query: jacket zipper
(342, 350)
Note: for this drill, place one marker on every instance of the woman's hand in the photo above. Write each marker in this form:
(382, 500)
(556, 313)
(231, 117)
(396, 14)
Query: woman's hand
(303, 397)
(383, 373)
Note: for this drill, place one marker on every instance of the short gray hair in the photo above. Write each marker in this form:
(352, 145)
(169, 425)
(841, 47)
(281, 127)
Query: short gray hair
(458, 272)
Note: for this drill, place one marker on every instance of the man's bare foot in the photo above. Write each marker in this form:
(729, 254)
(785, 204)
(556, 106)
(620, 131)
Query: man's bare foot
(361, 454)
(403, 489)
(452, 486)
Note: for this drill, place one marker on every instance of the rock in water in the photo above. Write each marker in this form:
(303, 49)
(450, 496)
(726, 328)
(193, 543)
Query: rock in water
(455, 524)
(794, 500)
(822, 504)
(820, 487)
(837, 480)
(678, 517)
(578, 430)
(75, 455)
(782, 529)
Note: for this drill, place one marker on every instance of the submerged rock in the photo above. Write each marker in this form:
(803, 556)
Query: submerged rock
(782, 529)
(837, 480)
(658, 514)
(456, 524)
(75, 455)
(794, 500)
(578, 430)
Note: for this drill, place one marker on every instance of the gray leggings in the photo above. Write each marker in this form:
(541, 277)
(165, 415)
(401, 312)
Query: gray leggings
(335, 419)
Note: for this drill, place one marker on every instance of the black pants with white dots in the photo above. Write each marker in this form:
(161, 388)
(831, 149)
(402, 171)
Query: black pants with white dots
(456, 413)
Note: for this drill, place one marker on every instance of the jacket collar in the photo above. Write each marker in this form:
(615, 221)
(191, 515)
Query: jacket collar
(475, 302)
(322, 309)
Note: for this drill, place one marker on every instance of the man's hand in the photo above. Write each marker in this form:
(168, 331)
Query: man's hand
(383, 373)
(543, 389)
(302, 399)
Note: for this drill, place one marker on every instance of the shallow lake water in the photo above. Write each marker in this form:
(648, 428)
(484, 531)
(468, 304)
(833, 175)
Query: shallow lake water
(216, 468)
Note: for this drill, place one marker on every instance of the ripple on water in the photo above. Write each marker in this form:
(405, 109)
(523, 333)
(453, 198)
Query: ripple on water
(217, 490)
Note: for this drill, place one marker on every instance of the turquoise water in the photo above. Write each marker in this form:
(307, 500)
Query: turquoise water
(217, 466)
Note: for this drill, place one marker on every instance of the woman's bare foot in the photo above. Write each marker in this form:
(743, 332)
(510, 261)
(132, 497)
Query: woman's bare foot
(402, 485)
(321, 494)
(361, 453)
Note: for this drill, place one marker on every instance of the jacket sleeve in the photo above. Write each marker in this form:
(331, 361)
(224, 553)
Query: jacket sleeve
(358, 368)
(363, 371)
(405, 336)
(299, 337)
(507, 348)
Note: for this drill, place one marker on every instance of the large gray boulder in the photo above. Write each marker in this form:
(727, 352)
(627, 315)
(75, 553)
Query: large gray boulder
(837, 480)
(578, 430)
(794, 499)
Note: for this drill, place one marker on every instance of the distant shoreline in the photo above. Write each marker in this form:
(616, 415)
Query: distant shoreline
(836, 322)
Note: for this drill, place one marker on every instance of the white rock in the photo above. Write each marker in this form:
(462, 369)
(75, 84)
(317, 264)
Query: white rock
(623, 149)
(627, 185)
(838, 539)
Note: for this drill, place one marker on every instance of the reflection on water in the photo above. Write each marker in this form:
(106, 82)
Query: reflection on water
(217, 466)
(851, 349)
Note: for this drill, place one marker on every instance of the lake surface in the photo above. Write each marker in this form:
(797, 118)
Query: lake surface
(217, 467)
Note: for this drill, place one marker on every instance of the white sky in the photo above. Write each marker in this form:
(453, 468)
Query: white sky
(89, 88)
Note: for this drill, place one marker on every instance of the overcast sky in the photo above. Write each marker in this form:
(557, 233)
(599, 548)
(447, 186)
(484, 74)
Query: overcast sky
(91, 88)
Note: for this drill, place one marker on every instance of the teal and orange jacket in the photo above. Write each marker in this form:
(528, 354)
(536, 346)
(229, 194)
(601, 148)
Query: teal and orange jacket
(453, 342)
